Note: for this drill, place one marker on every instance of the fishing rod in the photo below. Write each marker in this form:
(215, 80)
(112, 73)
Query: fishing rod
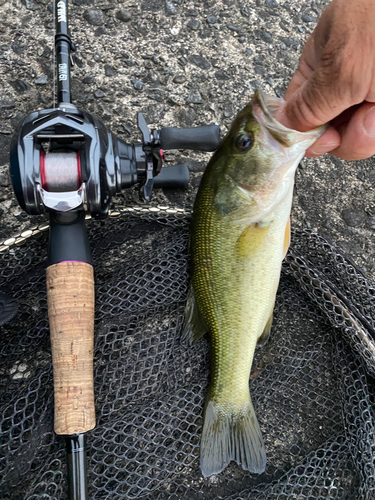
(66, 163)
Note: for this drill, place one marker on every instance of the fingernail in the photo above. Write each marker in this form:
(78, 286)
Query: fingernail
(321, 149)
(369, 122)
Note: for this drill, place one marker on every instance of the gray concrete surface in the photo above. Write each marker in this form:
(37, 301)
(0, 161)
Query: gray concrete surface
(181, 63)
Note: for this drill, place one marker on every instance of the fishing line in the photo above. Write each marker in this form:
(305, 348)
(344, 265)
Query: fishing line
(54, 55)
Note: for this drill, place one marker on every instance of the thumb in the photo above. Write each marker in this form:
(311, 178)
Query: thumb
(317, 101)
(358, 136)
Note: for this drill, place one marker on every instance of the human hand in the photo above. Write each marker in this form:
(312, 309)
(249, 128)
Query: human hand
(335, 82)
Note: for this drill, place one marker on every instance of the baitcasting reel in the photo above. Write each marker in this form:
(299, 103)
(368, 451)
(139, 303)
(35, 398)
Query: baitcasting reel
(64, 159)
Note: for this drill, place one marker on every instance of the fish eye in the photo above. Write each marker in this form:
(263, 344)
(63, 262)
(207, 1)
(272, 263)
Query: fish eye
(244, 142)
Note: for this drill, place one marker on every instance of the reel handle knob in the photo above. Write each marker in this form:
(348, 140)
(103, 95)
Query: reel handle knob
(172, 177)
(205, 138)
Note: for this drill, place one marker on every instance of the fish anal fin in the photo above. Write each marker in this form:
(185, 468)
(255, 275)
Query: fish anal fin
(287, 238)
(251, 239)
(233, 435)
(263, 339)
(194, 326)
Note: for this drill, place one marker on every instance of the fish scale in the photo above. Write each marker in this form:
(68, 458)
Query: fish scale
(231, 286)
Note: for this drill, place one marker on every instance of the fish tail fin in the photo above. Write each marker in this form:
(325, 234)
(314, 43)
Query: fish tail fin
(233, 435)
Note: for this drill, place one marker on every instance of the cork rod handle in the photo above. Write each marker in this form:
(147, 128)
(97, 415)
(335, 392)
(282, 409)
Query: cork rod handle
(70, 293)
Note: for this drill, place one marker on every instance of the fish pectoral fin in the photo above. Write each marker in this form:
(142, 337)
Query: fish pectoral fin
(251, 239)
(194, 326)
(230, 436)
(263, 339)
(287, 238)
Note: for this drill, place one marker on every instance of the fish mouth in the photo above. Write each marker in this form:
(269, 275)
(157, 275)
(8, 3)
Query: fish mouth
(259, 100)
(273, 127)
(266, 108)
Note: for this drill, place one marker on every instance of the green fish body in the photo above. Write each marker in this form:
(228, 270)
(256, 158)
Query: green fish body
(239, 236)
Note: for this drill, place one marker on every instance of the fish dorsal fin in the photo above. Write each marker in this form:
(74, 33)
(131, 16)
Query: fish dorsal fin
(251, 239)
(287, 238)
(194, 326)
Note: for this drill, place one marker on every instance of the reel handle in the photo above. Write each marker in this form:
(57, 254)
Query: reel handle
(205, 138)
(173, 177)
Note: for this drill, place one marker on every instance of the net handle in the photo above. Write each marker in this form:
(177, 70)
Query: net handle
(70, 294)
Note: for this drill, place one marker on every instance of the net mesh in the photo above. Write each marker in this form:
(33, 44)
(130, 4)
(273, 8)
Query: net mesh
(311, 384)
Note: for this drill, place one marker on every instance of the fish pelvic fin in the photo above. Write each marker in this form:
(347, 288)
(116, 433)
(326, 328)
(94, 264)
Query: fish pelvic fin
(287, 238)
(228, 436)
(263, 339)
(194, 326)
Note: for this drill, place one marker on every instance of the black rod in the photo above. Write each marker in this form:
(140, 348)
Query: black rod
(68, 238)
(77, 467)
(63, 48)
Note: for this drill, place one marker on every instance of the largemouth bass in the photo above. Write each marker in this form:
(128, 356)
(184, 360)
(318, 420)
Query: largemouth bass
(240, 233)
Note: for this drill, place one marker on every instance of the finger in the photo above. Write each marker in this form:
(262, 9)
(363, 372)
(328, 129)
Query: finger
(329, 141)
(315, 102)
(342, 120)
(306, 68)
(299, 78)
(358, 136)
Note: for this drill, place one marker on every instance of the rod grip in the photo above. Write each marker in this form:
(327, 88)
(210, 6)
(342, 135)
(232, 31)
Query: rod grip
(70, 294)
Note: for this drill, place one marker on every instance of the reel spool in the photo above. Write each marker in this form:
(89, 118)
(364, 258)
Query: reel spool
(60, 171)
